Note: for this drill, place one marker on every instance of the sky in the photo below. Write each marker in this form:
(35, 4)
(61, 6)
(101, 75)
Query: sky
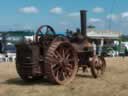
(63, 14)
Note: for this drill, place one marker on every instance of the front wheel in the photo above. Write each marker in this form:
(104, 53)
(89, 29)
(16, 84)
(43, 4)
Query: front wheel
(98, 66)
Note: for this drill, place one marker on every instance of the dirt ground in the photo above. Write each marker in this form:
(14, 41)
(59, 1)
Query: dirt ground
(113, 83)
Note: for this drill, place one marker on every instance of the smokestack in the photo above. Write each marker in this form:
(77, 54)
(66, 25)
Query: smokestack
(83, 22)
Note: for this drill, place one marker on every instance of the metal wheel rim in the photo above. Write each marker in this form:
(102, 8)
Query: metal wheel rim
(99, 66)
(61, 71)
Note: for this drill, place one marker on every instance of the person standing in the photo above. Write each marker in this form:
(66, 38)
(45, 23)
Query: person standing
(94, 48)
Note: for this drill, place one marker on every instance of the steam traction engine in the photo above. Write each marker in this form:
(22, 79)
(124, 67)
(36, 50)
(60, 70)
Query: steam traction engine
(58, 57)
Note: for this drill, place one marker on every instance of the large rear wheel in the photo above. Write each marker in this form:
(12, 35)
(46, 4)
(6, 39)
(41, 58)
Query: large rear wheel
(61, 62)
(24, 75)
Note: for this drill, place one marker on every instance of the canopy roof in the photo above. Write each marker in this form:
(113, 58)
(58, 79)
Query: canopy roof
(103, 34)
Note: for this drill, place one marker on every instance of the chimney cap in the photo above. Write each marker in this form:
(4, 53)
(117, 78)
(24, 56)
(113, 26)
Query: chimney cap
(83, 10)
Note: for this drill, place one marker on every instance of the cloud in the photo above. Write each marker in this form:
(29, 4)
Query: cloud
(29, 10)
(113, 17)
(56, 10)
(74, 14)
(64, 23)
(98, 10)
(94, 20)
(99, 23)
(124, 14)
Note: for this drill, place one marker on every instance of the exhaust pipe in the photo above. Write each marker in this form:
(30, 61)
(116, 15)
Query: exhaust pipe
(83, 15)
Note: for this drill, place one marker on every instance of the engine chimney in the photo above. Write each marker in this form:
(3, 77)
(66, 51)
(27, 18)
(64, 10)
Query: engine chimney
(83, 22)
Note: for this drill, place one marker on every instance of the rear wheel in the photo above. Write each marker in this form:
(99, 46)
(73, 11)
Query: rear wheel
(24, 74)
(61, 62)
(27, 78)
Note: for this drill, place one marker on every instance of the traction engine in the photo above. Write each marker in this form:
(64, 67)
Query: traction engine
(58, 57)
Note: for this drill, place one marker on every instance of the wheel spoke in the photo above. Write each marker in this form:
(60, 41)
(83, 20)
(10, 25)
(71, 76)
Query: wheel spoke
(40, 33)
(68, 66)
(58, 54)
(68, 69)
(56, 58)
(57, 74)
(63, 53)
(67, 52)
(60, 76)
(67, 57)
(64, 75)
(53, 61)
(56, 67)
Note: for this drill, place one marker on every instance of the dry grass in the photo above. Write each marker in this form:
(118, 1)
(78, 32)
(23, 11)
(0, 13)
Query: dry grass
(113, 83)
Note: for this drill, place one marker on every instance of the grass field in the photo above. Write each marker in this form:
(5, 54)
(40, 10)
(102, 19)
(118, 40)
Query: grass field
(113, 83)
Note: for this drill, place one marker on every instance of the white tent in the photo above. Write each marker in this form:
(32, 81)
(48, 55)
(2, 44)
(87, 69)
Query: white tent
(103, 34)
